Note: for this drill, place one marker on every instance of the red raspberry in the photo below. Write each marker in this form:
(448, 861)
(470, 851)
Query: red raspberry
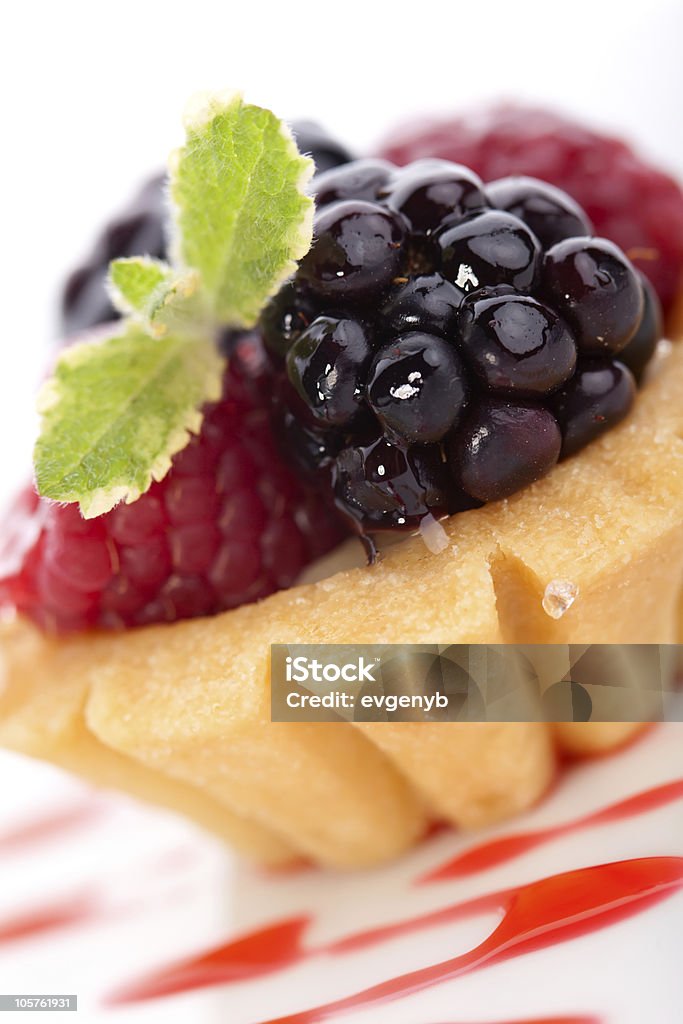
(637, 206)
(229, 524)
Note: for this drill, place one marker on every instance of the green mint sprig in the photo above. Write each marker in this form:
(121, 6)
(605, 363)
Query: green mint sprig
(116, 410)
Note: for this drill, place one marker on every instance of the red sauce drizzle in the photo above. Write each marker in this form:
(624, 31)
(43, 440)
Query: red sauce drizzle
(498, 851)
(534, 916)
(75, 909)
(551, 1020)
(33, 923)
(30, 833)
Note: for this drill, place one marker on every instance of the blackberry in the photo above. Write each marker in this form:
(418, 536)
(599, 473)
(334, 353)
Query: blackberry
(628, 200)
(387, 486)
(327, 365)
(503, 447)
(429, 191)
(426, 302)
(362, 179)
(514, 343)
(284, 318)
(436, 353)
(311, 450)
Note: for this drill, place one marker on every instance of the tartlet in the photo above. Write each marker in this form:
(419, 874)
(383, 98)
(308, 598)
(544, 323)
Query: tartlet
(179, 714)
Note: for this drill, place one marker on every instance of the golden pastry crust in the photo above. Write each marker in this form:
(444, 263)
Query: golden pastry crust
(190, 701)
(586, 738)
(43, 692)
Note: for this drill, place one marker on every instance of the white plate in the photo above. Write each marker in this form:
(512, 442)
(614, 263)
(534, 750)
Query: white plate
(160, 891)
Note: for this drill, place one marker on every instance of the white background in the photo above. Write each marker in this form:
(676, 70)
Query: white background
(92, 95)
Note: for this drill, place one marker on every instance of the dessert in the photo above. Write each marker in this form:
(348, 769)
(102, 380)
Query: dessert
(432, 355)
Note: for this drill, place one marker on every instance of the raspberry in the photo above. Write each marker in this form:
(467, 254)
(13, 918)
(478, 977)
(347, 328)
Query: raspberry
(628, 200)
(229, 524)
(436, 352)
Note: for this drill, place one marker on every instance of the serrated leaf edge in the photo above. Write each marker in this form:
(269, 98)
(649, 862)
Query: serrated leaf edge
(104, 499)
(200, 110)
(203, 106)
(301, 236)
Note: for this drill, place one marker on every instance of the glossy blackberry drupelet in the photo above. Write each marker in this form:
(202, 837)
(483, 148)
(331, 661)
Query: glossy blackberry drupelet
(327, 364)
(503, 446)
(141, 230)
(597, 290)
(419, 366)
(443, 344)
(549, 212)
(357, 252)
(488, 248)
(515, 344)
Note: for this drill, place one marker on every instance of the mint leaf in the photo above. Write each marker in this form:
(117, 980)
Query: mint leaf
(116, 411)
(154, 293)
(135, 281)
(242, 216)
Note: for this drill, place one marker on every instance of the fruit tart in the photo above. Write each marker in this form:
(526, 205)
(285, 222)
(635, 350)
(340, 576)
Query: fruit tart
(462, 367)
